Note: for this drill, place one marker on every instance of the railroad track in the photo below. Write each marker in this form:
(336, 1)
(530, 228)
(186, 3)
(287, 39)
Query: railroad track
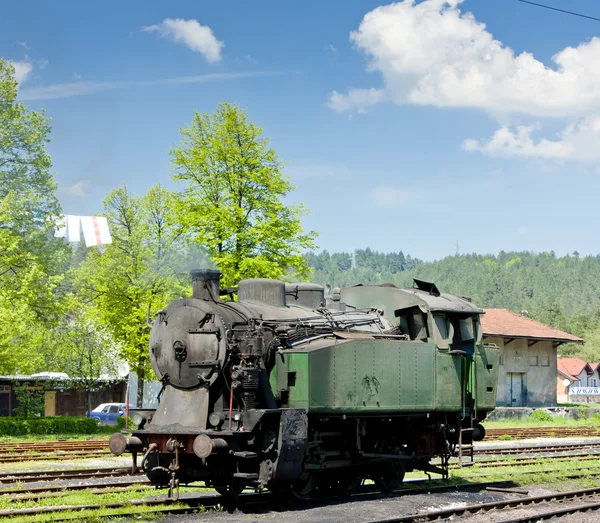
(536, 449)
(51, 475)
(52, 450)
(189, 504)
(542, 432)
(505, 504)
(47, 446)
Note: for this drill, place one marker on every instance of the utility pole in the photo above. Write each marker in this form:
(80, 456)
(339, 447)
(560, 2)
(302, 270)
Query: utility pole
(353, 263)
(457, 248)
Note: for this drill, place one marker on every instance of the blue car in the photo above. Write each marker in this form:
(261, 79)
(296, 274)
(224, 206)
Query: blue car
(107, 413)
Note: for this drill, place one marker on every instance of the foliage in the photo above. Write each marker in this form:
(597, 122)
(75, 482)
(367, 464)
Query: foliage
(31, 259)
(142, 270)
(51, 425)
(30, 399)
(541, 415)
(88, 352)
(371, 267)
(233, 200)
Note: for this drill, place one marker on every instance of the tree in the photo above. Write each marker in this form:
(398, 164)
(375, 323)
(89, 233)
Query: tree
(144, 268)
(31, 259)
(232, 203)
(89, 353)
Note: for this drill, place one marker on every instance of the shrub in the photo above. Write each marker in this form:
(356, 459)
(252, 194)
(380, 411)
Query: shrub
(505, 437)
(121, 424)
(49, 425)
(540, 415)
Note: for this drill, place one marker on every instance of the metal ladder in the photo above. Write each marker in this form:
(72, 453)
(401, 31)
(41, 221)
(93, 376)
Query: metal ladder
(468, 448)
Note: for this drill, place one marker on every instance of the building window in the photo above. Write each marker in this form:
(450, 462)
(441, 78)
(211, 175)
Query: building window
(545, 361)
(533, 361)
(501, 361)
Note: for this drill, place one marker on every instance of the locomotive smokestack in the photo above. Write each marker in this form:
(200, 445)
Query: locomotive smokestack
(205, 283)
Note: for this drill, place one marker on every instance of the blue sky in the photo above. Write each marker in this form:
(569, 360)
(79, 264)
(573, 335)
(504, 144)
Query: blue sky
(408, 126)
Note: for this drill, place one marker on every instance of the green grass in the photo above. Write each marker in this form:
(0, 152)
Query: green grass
(559, 421)
(86, 497)
(543, 471)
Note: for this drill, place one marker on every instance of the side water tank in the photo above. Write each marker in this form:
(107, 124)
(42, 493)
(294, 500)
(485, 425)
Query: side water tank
(262, 290)
(308, 295)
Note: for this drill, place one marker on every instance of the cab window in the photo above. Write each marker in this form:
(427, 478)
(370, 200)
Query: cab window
(413, 322)
(442, 331)
(466, 329)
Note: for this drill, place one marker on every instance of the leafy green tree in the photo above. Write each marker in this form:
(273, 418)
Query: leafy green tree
(233, 201)
(140, 272)
(31, 259)
(30, 399)
(88, 353)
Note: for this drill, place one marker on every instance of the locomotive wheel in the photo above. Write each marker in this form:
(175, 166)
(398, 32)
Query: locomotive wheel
(390, 477)
(304, 486)
(349, 482)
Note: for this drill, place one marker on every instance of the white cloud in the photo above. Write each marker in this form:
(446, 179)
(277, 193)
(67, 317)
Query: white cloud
(522, 230)
(22, 71)
(76, 77)
(391, 197)
(430, 53)
(79, 88)
(358, 99)
(197, 37)
(77, 189)
(578, 141)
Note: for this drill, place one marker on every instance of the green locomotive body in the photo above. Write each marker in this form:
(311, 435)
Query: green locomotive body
(438, 364)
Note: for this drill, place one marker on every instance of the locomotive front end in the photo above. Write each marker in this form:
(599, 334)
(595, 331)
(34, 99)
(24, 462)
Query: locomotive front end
(188, 352)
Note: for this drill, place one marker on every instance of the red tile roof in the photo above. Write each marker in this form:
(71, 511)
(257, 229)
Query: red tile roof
(570, 366)
(500, 322)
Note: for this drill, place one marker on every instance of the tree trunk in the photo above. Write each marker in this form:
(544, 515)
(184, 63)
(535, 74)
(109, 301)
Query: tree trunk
(88, 401)
(140, 389)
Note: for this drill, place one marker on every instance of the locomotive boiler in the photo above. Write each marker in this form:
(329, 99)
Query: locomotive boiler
(284, 391)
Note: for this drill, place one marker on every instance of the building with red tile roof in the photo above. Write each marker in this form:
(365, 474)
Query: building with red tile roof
(577, 381)
(527, 375)
(501, 322)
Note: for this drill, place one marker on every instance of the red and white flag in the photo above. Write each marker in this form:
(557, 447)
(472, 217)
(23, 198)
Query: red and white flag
(95, 230)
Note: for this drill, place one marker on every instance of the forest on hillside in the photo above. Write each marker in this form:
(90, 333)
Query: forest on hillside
(561, 291)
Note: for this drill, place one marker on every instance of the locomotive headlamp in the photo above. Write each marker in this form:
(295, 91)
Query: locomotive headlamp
(138, 420)
(216, 419)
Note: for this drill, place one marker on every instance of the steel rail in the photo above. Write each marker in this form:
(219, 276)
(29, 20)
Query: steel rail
(52, 475)
(554, 513)
(485, 507)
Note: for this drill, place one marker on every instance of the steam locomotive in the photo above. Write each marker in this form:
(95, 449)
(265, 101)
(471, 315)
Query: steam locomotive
(284, 390)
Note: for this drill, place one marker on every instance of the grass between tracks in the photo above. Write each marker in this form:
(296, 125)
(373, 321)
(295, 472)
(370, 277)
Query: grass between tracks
(87, 497)
(543, 471)
(559, 421)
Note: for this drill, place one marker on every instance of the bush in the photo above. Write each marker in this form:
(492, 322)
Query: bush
(121, 424)
(49, 425)
(541, 415)
(505, 437)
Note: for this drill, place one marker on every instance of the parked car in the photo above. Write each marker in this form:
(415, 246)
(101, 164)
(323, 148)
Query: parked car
(107, 413)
